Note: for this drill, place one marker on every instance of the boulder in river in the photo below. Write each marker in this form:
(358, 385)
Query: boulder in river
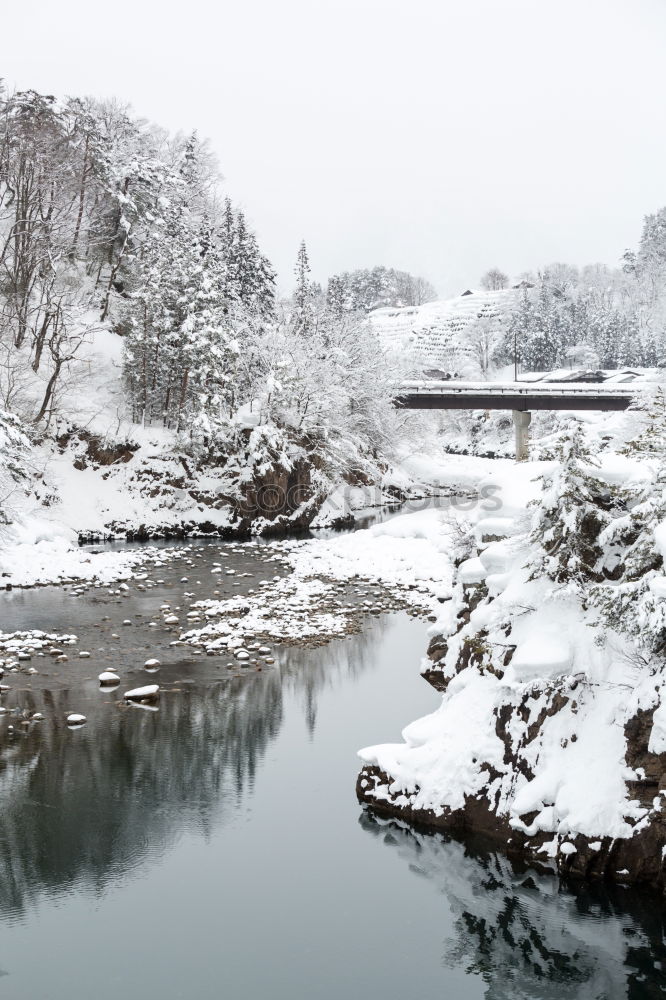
(150, 692)
(108, 679)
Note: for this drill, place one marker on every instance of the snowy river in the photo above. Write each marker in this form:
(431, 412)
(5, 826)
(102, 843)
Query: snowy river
(215, 848)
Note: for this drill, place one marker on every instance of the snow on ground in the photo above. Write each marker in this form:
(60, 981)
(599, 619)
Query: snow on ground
(42, 546)
(408, 560)
(32, 561)
(135, 490)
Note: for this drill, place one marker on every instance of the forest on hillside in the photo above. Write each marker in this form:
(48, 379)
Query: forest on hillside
(106, 219)
(575, 317)
(109, 224)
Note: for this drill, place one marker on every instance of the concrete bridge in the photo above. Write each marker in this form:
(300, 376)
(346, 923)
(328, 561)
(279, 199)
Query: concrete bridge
(520, 397)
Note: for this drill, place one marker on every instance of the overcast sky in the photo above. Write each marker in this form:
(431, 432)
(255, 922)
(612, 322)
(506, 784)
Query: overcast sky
(437, 136)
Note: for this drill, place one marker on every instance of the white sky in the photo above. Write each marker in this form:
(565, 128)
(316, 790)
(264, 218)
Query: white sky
(437, 136)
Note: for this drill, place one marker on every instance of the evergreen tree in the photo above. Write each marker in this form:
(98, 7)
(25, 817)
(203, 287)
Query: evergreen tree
(253, 274)
(634, 603)
(519, 332)
(227, 229)
(651, 442)
(571, 514)
(304, 291)
(336, 299)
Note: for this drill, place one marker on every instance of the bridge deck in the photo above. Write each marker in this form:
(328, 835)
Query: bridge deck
(459, 395)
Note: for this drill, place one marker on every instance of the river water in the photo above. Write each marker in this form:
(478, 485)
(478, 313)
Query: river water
(215, 848)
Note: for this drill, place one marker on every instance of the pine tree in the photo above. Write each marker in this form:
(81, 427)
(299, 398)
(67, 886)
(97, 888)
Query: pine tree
(336, 297)
(634, 602)
(571, 514)
(227, 229)
(304, 291)
(651, 441)
(253, 273)
(521, 324)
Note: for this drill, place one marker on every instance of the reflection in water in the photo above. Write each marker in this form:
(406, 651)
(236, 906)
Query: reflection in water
(85, 811)
(528, 936)
(87, 806)
(84, 808)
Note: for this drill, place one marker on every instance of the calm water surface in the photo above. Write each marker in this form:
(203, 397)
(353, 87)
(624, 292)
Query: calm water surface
(214, 848)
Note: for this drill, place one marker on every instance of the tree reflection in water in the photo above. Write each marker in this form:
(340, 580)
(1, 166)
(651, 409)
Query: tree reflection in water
(528, 936)
(80, 809)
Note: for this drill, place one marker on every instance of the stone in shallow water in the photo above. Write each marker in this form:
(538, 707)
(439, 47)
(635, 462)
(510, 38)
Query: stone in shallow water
(150, 692)
(75, 719)
(107, 678)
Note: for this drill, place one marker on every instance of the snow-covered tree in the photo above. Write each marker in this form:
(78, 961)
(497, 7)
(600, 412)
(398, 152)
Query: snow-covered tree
(634, 601)
(582, 356)
(571, 513)
(483, 338)
(596, 309)
(494, 280)
(304, 292)
(14, 467)
(651, 440)
(366, 289)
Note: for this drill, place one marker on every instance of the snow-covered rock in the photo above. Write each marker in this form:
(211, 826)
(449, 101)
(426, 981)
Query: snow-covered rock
(544, 656)
(148, 692)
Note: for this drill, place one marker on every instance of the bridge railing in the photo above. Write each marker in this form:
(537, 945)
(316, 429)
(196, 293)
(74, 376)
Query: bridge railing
(446, 388)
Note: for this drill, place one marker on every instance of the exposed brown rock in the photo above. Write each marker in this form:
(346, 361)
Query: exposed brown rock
(636, 860)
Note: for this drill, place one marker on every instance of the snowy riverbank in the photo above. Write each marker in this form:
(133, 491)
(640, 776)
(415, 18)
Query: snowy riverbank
(550, 734)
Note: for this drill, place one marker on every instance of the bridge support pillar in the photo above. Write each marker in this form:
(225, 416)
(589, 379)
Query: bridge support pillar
(521, 424)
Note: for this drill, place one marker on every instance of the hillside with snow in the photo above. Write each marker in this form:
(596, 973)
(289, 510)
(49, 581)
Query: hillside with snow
(446, 334)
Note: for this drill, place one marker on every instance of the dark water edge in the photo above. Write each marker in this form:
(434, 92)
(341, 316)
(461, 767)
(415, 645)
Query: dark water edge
(215, 847)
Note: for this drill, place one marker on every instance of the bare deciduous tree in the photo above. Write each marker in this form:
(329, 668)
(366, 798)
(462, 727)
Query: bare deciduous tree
(494, 280)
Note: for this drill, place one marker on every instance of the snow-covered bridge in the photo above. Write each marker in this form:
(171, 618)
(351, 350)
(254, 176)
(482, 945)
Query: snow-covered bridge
(520, 397)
